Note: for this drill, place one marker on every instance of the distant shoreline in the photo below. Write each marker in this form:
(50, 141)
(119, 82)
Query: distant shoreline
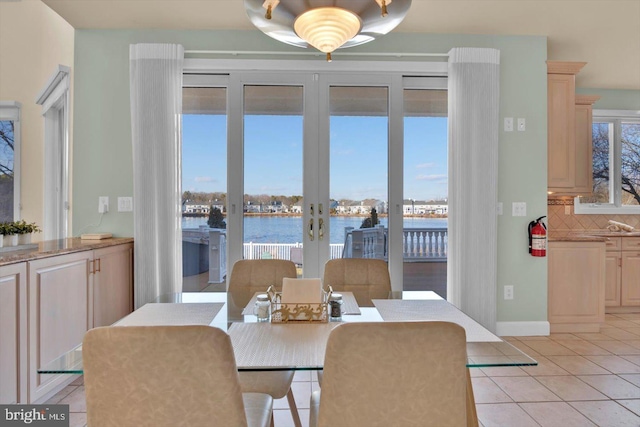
(204, 215)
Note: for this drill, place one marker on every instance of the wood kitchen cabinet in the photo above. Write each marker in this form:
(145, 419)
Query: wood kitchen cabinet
(569, 121)
(576, 285)
(630, 279)
(623, 273)
(13, 333)
(113, 284)
(584, 144)
(60, 289)
(68, 295)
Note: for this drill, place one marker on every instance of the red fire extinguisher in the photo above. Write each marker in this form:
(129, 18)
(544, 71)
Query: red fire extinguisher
(538, 237)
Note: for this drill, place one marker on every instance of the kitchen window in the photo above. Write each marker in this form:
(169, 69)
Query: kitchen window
(616, 164)
(9, 161)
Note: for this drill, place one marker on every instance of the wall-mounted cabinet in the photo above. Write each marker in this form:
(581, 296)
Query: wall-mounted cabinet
(569, 120)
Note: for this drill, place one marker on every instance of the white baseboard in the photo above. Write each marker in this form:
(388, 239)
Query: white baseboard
(522, 329)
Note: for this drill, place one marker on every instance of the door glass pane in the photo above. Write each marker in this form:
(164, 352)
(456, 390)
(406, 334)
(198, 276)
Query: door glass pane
(359, 135)
(7, 138)
(273, 143)
(204, 185)
(425, 206)
(630, 163)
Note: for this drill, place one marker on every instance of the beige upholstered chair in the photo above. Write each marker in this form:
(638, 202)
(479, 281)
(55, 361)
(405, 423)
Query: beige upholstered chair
(159, 376)
(247, 278)
(393, 374)
(367, 278)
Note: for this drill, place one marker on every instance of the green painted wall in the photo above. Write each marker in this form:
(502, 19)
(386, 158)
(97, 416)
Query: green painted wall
(102, 157)
(613, 99)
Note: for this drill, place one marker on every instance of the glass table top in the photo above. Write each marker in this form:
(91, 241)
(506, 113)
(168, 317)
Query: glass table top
(255, 344)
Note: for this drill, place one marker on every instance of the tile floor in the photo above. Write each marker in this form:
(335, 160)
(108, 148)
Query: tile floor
(581, 380)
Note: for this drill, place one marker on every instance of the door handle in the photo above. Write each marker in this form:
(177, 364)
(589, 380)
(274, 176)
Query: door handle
(320, 229)
(310, 231)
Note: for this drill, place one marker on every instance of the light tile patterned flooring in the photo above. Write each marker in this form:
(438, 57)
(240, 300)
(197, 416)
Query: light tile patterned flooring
(581, 380)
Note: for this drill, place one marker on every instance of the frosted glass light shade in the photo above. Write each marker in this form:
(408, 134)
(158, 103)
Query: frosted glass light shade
(327, 28)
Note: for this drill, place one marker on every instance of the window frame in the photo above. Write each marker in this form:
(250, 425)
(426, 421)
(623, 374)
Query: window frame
(11, 111)
(56, 103)
(614, 117)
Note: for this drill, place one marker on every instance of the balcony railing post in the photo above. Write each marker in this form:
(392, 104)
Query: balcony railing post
(217, 256)
(357, 243)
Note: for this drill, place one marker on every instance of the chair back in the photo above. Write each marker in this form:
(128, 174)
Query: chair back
(249, 276)
(395, 374)
(160, 376)
(367, 278)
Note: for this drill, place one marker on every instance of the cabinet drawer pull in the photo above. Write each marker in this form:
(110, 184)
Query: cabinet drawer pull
(98, 267)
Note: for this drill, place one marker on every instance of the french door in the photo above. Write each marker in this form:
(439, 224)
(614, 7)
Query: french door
(323, 149)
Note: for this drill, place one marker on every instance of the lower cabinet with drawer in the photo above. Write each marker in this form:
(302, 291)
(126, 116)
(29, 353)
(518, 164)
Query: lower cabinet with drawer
(622, 284)
(49, 298)
(576, 286)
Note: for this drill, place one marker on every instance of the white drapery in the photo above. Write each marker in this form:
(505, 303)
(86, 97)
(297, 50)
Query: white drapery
(474, 101)
(156, 108)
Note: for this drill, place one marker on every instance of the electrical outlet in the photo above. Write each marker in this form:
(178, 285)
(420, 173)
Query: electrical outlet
(103, 204)
(508, 292)
(567, 210)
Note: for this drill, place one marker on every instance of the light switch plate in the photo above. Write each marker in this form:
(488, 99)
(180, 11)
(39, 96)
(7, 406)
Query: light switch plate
(508, 124)
(522, 125)
(519, 209)
(125, 204)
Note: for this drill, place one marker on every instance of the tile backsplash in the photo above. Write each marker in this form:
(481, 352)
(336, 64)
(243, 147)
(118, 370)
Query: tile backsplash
(559, 220)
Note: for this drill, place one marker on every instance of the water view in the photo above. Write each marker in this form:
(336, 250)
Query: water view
(288, 229)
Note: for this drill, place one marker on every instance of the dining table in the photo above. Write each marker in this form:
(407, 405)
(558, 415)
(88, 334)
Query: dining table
(300, 345)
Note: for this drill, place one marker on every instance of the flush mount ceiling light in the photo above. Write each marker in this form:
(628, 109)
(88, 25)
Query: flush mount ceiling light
(326, 25)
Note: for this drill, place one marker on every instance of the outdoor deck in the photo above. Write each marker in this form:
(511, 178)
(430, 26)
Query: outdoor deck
(424, 252)
(418, 276)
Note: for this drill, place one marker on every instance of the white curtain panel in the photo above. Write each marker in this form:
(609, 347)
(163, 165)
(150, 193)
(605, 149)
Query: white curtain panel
(156, 108)
(474, 100)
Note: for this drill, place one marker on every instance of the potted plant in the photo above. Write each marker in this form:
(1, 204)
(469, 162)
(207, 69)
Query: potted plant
(24, 231)
(8, 232)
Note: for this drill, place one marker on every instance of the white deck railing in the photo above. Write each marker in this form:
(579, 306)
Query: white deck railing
(419, 245)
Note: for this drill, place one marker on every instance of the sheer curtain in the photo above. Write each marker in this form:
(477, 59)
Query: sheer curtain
(474, 100)
(156, 107)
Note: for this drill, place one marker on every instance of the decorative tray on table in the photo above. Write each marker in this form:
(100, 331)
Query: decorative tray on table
(297, 312)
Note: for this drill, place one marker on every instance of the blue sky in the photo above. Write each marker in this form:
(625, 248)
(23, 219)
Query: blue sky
(273, 156)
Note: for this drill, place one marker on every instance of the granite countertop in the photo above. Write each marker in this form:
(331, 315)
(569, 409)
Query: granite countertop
(50, 248)
(589, 235)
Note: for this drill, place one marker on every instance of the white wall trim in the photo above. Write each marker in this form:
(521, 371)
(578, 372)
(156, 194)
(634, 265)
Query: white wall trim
(424, 68)
(522, 329)
(617, 114)
(58, 75)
